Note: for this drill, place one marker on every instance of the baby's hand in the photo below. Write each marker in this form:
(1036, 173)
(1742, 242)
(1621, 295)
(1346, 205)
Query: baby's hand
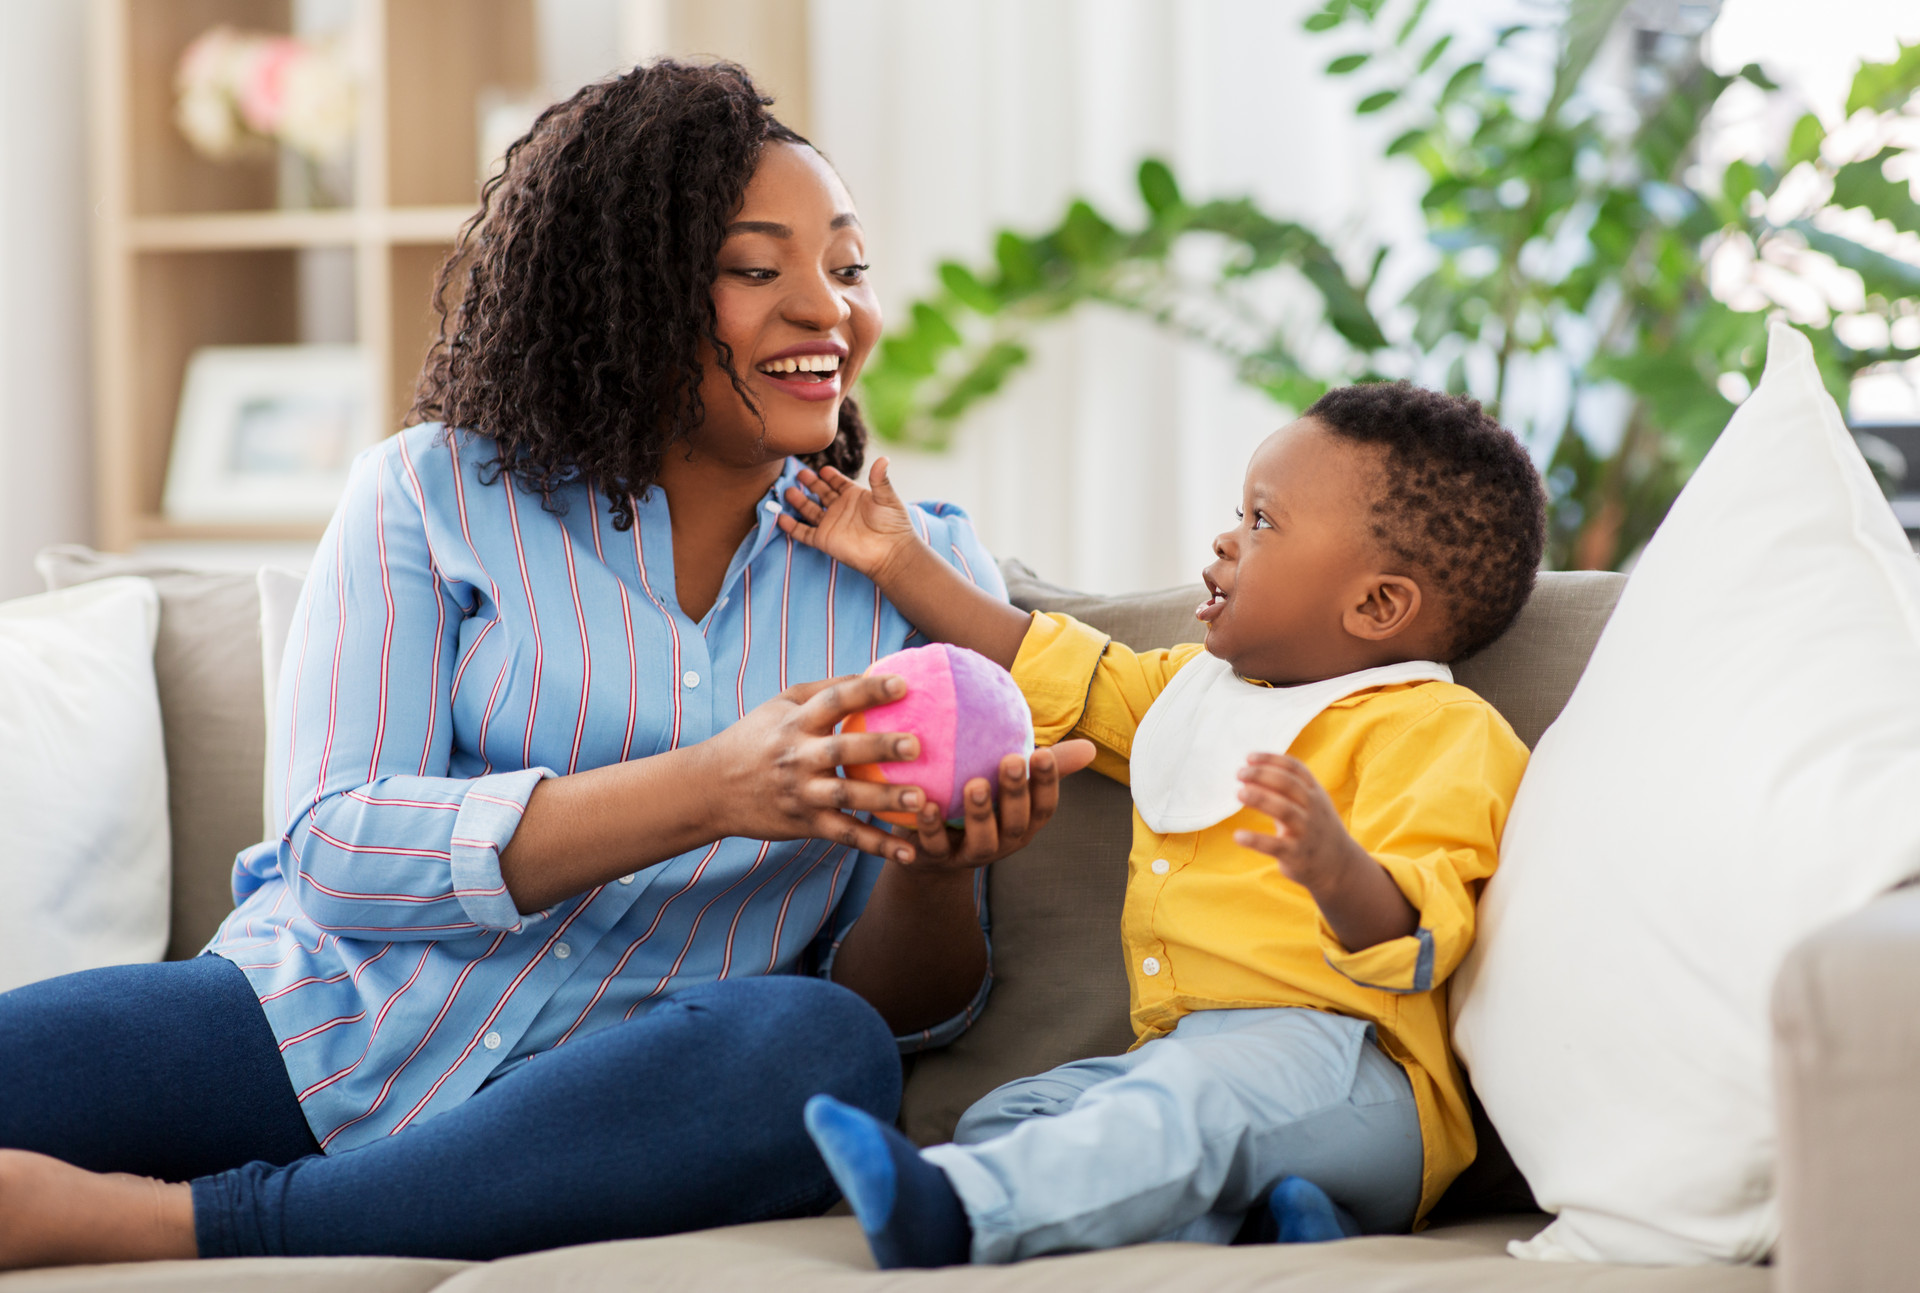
(868, 529)
(1310, 842)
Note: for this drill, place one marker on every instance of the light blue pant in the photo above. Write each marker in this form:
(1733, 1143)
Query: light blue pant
(1180, 1138)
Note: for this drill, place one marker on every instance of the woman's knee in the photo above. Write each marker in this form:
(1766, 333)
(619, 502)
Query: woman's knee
(809, 1032)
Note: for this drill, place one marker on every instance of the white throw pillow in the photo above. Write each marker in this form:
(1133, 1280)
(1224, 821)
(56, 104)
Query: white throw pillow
(1737, 767)
(84, 866)
(279, 597)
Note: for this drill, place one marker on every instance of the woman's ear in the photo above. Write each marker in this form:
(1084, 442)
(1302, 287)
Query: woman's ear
(1391, 603)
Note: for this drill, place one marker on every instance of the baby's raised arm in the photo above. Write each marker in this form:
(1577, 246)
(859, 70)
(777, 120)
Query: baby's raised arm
(870, 530)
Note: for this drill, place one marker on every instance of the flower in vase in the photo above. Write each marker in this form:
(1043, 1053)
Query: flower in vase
(237, 90)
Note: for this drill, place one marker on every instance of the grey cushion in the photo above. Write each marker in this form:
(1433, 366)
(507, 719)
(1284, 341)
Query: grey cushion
(1060, 990)
(206, 662)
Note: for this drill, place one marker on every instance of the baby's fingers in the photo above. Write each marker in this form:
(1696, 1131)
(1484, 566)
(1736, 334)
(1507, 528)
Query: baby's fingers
(1274, 846)
(1284, 809)
(804, 506)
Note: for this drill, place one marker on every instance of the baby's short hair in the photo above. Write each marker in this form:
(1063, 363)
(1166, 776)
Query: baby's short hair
(1462, 503)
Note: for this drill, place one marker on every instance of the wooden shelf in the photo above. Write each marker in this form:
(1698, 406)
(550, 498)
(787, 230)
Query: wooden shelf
(236, 230)
(190, 252)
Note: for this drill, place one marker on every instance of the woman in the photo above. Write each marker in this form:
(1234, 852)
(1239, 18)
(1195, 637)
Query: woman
(571, 911)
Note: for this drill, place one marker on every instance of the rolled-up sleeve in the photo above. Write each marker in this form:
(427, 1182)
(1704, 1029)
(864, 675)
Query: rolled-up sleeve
(377, 840)
(1429, 807)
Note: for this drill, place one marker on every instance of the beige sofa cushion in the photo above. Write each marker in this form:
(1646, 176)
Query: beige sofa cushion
(1060, 992)
(821, 1256)
(206, 662)
(242, 1275)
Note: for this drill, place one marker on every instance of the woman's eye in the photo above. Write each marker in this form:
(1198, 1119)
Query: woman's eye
(852, 273)
(758, 275)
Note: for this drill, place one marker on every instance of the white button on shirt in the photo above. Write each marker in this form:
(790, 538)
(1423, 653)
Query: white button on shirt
(773, 505)
(627, 878)
(1150, 966)
(690, 678)
(492, 1041)
(562, 951)
(1161, 866)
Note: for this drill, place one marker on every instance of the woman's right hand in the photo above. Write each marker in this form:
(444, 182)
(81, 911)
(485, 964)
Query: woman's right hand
(863, 526)
(776, 771)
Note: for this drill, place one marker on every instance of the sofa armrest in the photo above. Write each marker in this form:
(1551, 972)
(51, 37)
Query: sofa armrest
(1846, 1028)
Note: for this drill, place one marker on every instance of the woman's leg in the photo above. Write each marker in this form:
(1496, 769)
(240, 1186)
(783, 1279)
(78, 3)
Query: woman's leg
(687, 1117)
(169, 1071)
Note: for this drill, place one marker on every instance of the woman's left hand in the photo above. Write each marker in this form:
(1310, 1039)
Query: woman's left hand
(1027, 800)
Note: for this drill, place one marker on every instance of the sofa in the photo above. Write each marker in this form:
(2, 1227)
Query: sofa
(1846, 1024)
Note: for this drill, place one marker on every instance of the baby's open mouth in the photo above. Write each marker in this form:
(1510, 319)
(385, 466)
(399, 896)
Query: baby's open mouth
(803, 369)
(1209, 610)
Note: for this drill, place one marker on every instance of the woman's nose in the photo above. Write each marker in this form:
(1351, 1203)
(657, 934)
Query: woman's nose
(817, 303)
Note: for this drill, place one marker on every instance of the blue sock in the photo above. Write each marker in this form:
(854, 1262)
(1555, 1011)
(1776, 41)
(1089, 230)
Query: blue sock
(1305, 1215)
(906, 1205)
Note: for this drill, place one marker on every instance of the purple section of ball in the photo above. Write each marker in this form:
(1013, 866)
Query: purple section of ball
(993, 720)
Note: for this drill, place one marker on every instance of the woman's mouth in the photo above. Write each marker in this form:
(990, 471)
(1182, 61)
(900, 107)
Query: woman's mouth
(807, 377)
(1209, 611)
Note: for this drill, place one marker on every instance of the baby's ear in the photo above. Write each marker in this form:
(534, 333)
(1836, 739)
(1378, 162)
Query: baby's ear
(1388, 607)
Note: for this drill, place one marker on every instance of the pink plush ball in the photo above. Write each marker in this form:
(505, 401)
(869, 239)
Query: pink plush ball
(968, 713)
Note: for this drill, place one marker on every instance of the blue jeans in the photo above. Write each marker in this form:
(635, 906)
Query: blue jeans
(1180, 1138)
(686, 1117)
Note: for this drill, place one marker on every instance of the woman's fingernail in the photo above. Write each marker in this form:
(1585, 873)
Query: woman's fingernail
(906, 749)
(903, 855)
(911, 799)
(979, 794)
(896, 686)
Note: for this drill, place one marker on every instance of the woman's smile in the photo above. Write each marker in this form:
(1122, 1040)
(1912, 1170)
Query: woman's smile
(809, 371)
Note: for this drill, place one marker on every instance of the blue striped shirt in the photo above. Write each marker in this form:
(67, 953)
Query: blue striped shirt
(456, 642)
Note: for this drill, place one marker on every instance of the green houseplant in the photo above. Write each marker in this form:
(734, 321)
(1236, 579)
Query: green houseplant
(1558, 235)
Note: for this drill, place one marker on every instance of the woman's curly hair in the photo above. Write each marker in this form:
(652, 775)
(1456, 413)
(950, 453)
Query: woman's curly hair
(577, 308)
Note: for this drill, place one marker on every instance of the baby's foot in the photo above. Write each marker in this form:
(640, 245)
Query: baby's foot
(905, 1204)
(1305, 1215)
(55, 1214)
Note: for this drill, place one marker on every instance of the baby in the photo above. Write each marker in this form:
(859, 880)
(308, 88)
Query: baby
(1316, 805)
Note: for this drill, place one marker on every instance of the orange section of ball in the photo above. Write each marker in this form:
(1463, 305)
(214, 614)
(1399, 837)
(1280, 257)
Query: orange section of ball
(871, 772)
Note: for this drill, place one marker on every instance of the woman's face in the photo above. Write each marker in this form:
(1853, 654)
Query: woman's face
(793, 303)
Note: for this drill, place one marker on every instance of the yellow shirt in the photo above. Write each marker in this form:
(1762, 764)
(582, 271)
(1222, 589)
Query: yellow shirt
(1422, 774)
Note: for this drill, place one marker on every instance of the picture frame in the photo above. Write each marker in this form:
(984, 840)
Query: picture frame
(268, 433)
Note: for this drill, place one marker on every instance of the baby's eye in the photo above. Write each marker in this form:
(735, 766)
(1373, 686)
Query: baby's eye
(1260, 522)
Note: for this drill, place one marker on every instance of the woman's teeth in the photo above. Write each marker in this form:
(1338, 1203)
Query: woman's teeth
(827, 364)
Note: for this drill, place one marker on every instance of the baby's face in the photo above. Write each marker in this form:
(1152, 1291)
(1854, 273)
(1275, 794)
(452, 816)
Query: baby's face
(1288, 580)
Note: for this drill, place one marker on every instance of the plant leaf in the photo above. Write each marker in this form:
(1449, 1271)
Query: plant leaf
(1587, 25)
(1865, 184)
(968, 289)
(1434, 51)
(1376, 101)
(1406, 143)
(938, 330)
(1158, 189)
(1885, 87)
(1413, 21)
(1881, 274)
(1347, 63)
(1804, 144)
(1321, 22)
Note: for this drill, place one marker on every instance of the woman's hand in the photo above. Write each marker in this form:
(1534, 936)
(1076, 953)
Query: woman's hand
(776, 770)
(1027, 800)
(866, 528)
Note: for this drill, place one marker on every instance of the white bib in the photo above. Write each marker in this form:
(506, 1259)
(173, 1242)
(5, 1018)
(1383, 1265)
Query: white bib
(1198, 733)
